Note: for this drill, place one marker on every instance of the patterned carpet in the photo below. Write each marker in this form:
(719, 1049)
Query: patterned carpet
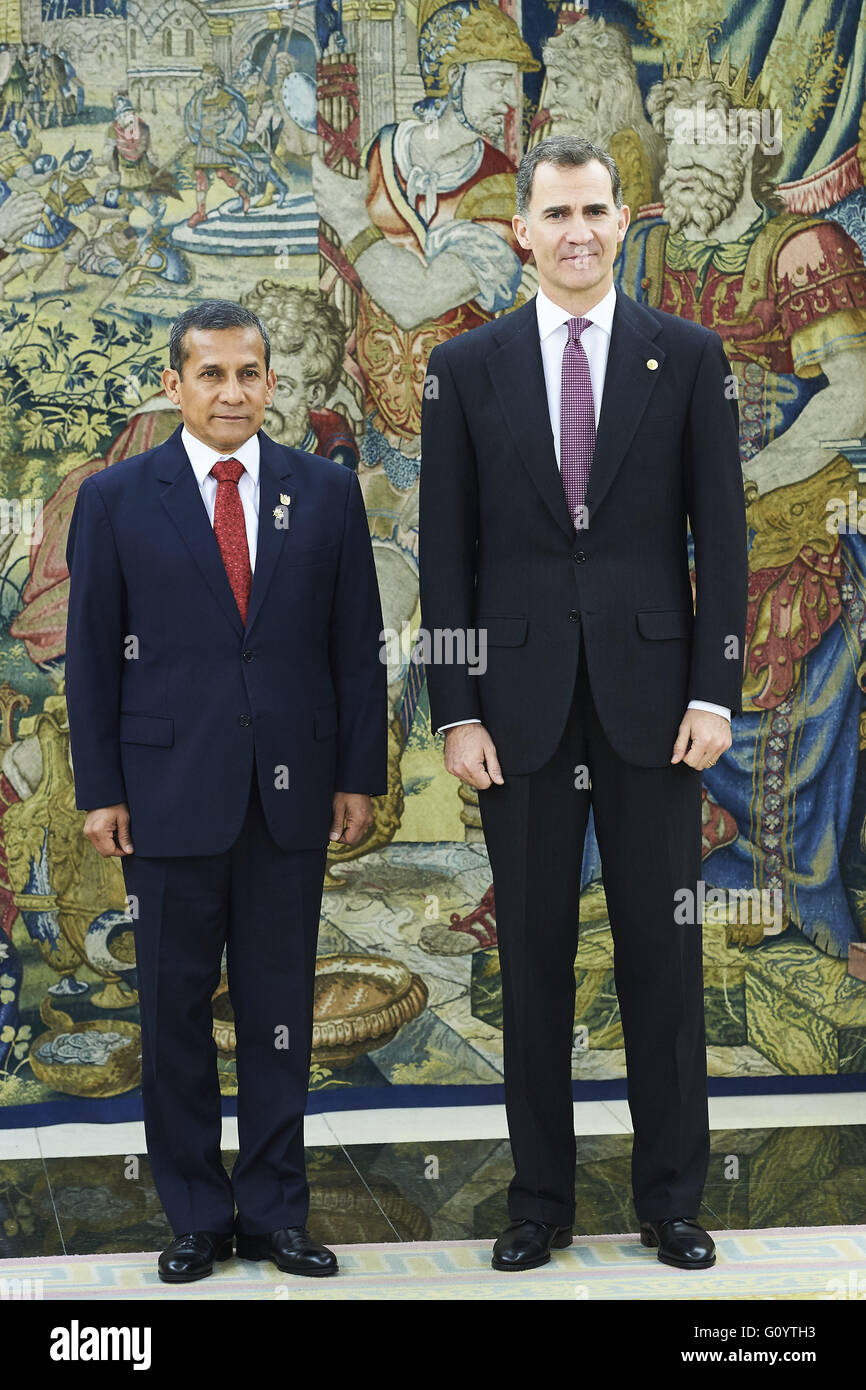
(826, 1262)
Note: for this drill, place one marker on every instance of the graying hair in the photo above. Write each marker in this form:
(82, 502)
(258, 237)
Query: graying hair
(565, 151)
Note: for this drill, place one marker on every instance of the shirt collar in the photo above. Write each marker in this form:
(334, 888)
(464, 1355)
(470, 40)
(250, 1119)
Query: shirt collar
(552, 315)
(203, 457)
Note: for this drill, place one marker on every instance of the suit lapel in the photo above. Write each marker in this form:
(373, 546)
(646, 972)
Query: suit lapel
(517, 374)
(183, 502)
(628, 385)
(274, 468)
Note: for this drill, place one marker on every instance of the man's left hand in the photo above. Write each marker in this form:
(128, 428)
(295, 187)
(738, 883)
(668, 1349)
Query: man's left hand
(710, 736)
(353, 816)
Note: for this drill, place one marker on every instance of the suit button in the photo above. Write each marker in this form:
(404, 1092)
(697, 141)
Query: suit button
(249, 656)
(245, 719)
(574, 616)
(580, 556)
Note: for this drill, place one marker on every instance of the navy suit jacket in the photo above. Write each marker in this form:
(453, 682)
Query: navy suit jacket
(499, 551)
(171, 699)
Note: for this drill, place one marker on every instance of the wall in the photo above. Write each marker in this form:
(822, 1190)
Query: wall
(770, 255)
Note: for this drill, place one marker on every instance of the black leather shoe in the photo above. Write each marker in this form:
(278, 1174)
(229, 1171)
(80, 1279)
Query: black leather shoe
(192, 1256)
(682, 1243)
(292, 1249)
(527, 1244)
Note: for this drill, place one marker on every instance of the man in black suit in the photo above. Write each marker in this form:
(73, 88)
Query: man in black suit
(228, 715)
(600, 683)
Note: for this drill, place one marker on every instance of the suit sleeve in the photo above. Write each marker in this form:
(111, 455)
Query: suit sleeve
(94, 652)
(355, 650)
(717, 516)
(448, 540)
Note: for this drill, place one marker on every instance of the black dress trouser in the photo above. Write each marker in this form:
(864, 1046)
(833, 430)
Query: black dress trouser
(648, 827)
(262, 903)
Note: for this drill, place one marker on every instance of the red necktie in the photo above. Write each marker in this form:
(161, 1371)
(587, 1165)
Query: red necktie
(231, 531)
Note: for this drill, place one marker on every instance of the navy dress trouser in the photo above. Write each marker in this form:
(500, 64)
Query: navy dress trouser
(263, 905)
(648, 827)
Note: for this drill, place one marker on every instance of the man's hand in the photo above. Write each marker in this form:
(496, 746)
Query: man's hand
(108, 830)
(710, 735)
(470, 754)
(353, 816)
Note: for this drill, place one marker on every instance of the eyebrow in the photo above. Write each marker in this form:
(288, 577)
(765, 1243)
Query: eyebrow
(217, 366)
(566, 207)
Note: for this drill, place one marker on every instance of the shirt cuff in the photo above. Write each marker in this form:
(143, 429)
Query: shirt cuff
(714, 709)
(455, 724)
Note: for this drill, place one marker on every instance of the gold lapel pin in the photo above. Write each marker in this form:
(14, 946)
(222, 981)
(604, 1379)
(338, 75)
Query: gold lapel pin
(285, 499)
(277, 512)
(652, 364)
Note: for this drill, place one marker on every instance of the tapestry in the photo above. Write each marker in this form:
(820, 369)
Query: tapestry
(313, 160)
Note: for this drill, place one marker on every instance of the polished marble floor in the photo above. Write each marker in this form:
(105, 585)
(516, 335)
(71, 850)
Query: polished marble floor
(442, 1174)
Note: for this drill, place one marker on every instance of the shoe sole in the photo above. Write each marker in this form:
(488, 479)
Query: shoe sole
(302, 1273)
(686, 1264)
(191, 1278)
(560, 1243)
(646, 1238)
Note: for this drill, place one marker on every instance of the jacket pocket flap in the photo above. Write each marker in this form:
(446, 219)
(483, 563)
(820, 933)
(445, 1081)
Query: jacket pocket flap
(147, 728)
(502, 631)
(325, 721)
(665, 622)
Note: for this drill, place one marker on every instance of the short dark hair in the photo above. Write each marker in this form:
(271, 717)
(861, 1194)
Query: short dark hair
(212, 313)
(564, 151)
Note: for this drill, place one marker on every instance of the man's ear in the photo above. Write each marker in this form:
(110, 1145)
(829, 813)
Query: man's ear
(520, 231)
(170, 381)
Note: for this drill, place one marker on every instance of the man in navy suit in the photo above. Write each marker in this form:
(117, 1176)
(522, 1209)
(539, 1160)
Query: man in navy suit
(228, 715)
(602, 685)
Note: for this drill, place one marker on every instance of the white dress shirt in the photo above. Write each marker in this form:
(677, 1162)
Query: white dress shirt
(203, 457)
(553, 335)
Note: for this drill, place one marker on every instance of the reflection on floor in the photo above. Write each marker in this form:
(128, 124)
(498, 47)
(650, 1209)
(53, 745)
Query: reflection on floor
(813, 1175)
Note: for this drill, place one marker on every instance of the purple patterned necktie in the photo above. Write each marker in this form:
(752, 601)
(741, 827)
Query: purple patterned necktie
(577, 419)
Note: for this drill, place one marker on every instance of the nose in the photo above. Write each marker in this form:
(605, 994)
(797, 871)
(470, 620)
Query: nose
(679, 154)
(579, 233)
(231, 393)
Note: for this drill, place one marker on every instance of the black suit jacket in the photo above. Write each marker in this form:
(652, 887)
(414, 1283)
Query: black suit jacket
(499, 552)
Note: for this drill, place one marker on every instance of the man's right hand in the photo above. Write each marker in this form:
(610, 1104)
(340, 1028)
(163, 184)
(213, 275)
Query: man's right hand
(108, 830)
(470, 754)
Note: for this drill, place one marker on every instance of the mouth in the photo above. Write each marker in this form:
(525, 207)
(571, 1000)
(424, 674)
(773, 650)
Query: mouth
(580, 258)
